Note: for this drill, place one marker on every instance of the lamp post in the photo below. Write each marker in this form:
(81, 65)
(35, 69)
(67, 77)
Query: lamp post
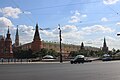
(60, 44)
(118, 34)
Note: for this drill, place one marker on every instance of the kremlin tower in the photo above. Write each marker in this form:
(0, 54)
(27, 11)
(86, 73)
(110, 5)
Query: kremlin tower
(105, 48)
(16, 39)
(36, 44)
(6, 46)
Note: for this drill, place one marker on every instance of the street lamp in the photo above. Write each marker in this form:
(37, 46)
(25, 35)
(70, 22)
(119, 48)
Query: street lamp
(118, 34)
(60, 44)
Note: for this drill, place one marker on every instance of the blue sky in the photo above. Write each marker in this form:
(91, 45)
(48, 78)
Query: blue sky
(87, 21)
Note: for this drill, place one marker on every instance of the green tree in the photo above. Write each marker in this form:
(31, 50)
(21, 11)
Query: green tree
(23, 54)
(45, 51)
(73, 53)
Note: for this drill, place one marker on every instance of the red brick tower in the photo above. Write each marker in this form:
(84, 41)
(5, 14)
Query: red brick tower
(36, 44)
(2, 45)
(8, 46)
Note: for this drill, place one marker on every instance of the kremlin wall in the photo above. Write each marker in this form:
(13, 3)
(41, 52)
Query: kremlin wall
(6, 46)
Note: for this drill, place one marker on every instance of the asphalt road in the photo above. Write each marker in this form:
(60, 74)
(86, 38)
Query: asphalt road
(64, 71)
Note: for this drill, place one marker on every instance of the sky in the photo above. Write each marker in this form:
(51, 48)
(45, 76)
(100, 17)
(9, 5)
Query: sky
(87, 21)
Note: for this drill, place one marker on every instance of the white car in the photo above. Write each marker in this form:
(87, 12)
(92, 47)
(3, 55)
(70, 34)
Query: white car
(48, 57)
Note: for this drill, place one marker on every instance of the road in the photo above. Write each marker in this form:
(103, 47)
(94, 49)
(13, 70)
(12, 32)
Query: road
(61, 71)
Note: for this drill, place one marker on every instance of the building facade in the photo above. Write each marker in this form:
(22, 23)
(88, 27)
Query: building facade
(6, 46)
(37, 44)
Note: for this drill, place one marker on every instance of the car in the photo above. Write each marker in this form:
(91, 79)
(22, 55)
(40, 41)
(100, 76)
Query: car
(106, 59)
(87, 60)
(48, 58)
(78, 59)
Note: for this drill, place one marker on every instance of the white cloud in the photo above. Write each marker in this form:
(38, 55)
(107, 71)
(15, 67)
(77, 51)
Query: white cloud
(84, 15)
(10, 12)
(104, 19)
(26, 33)
(70, 33)
(76, 17)
(110, 1)
(118, 23)
(97, 28)
(5, 22)
(74, 36)
(112, 42)
(69, 28)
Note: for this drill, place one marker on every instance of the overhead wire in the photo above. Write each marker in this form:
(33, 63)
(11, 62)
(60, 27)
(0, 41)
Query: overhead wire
(113, 10)
(97, 23)
(49, 7)
(23, 11)
(57, 6)
(66, 14)
(60, 6)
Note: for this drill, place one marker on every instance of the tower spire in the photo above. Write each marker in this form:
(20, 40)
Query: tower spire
(17, 37)
(36, 36)
(82, 46)
(104, 48)
(8, 32)
(104, 44)
(17, 31)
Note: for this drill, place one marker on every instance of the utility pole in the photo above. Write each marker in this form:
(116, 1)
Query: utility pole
(60, 44)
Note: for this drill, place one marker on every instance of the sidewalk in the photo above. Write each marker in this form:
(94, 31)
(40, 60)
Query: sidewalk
(45, 61)
(31, 62)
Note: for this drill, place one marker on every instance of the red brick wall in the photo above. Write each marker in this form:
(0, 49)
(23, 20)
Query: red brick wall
(36, 45)
(9, 55)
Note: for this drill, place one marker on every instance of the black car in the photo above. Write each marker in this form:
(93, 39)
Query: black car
(78, 59)
(106, 59)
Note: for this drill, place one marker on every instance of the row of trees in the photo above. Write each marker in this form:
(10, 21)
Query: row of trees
(27, 54)
(23, 54)
(90, 53)
(86, 53)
